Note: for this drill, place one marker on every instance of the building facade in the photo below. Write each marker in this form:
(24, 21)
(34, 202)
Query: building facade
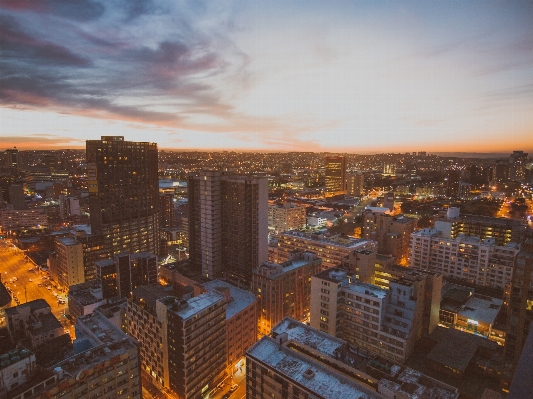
(228, 225)
(286, 217)
(284, 290)
(355, 183)
(335, 175)
(123, 193)
(69, 262)
(471, 259)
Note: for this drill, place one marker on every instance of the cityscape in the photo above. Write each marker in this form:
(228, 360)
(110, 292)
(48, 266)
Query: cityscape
(284, 200)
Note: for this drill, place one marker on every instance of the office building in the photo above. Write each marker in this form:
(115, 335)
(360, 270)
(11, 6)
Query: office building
(332, 249)
(501, 229)
(185, 349)
(228, 225)
(471, 259)
(123, 194)
(68, 265)
(12, 158)
(517, 166)
(335, 176)
(300, 361)
(284, 289)
(452, 183)
(392, 233)
(389, 169)
(16, 196)
(286, 217)
(354, 183)
(166, 207)
(125, 272)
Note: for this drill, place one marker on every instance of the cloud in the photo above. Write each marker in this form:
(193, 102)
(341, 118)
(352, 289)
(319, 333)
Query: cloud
(79, 10)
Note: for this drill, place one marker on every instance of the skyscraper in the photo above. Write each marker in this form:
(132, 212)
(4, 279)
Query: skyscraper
(335, 176)
(123, 193)
(228, 225)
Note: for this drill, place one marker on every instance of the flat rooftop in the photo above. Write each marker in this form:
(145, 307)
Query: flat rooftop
(286, 267)
(67, 241)
(240, 299)
(199, 303)
(337, 240)
(333, 274)
(482, 308)
(324, 381)
(367, 289)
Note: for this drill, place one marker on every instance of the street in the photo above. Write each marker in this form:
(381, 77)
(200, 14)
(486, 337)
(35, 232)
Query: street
(26, 287)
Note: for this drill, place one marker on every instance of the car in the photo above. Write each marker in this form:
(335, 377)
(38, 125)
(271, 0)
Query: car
(226, 396)
(40, 285)
(233, 388)
(31, 279)
(48, 288)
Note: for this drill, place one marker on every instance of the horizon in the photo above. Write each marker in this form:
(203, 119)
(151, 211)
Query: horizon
(279, 76)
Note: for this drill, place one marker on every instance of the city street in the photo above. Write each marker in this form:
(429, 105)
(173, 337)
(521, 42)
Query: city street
(13, 264)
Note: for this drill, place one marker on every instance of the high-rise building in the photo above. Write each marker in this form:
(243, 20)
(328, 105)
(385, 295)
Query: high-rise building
(392, 233)
(286, 217)
(228, 225)
(12, 158)
(125, 272)
(335, 176)
(520, 308)
(166, 210)
(69, 262)
(284, 289)
(16, 196)
(300, 361)
(517, 166)
(185, 350)
(389, 169)
(354, 183)
(123, 193)
(471, 259)
(452, 183)
(387, 322)
(501, 229)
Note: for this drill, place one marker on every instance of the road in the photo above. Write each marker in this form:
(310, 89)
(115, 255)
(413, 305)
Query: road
(14, 264)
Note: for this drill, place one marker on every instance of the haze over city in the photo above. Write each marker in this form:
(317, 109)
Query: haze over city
(271, 76)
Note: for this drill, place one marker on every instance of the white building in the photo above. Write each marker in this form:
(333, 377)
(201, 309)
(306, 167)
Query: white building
(286, 217)
(69, 258)
(16, 367)
(472, 259)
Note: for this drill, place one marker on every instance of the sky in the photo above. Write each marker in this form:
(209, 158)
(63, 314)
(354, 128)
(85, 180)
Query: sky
(269, 75)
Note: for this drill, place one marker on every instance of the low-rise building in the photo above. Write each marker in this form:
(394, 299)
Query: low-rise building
(11, 219)
(286, 217)
(84, 298)
(16, 368)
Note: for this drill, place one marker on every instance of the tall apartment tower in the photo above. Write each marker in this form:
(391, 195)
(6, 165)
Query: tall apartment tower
(517, 166)
(12, 158)
(354, 183)
(228, 225)
(123, 193)
(335, 176)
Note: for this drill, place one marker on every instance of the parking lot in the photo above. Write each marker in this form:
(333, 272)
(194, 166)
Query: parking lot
(27, 282)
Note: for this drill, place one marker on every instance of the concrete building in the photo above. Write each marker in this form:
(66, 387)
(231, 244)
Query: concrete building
(332, 249)
(471, 259)
(12, 158)
(354, 184)
(185, 349)
(33, 322)
(124, 194)
(16, 196)
(16, 368)
(125, 272)
(517, 166)
(300, 361)
(392, 233)
(84, 298)
(335, 176)
(389, 169)
(501, 229)
(284, 289)
(11, 219)
(228, 225)
(68, 206)
(241, 322)
(387, 322)
(69, 262)
(286, 217)
(167, 211)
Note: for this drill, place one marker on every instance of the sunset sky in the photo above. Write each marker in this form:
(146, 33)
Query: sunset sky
(288, 75)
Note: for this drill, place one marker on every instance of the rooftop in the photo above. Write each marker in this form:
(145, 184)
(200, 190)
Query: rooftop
(335, 240)
(34, 305)
(285, 267)
(482, 308)
(67, 241)
(367, 289)
(332, 274)
(324, 381)
(240, 299)
(197, 304)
